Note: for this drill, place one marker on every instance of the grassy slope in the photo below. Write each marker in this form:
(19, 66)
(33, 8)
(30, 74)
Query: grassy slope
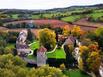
(95, 15)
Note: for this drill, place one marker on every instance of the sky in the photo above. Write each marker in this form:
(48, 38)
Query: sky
(44, 4)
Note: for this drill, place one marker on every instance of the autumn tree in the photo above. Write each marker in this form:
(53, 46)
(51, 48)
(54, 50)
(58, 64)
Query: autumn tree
(99, 34)
(66, 30)
(14, 66)
(90, 58)
(93, 61)
(47, 38)
(76, 31)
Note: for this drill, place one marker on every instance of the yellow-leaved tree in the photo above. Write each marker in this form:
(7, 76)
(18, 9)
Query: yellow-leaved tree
(47, 38)
(66, 30)
(76, 31)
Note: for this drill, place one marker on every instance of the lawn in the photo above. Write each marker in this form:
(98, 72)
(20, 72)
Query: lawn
(75, 73)
(34, 45)
(58, 54)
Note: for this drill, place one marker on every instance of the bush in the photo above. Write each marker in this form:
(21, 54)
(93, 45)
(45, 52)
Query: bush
(8, 50)
(14, 66)
(12, 37)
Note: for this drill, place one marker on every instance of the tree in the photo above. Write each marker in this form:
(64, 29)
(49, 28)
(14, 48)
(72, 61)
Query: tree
(12, 37)
(99, 34)
(8, 50)
(76, 31)
(14, 66)
(47, 38)
(6, 60)
(1, 23)
(30, 35)
(93, 61)
(66, 30)
(46, 71)
(90, 58)
(91, 35)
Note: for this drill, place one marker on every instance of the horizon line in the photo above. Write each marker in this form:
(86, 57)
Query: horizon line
(52, 8)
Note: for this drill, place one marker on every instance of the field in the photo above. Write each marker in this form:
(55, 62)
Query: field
(71, 18)
(15, 16)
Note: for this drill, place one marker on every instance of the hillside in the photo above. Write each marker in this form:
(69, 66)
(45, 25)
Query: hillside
(72, 14)
(97, 6)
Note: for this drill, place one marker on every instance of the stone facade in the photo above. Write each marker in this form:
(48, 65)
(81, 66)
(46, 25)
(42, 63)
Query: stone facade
(21, 45)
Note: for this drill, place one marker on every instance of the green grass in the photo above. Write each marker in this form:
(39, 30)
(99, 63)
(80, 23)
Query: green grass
(96, 15)
(58, 54)
(15, 16)
(34, 45)
(71, 18)
(31, 57)
(75, 73)
(47, 15)
(35, 16)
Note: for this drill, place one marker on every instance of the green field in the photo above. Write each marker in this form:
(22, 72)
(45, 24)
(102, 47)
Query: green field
(71, 18)
(15, 16)
(96, 15)
(35, 16)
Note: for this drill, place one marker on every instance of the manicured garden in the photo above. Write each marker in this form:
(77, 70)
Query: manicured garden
(58, 53)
